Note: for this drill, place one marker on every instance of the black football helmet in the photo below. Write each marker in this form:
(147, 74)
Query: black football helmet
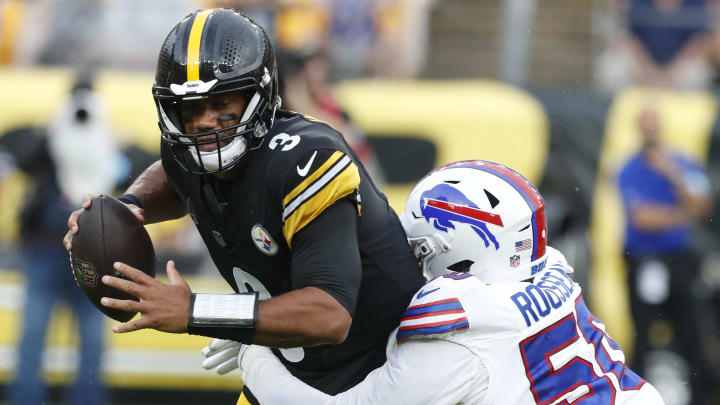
(213, 52)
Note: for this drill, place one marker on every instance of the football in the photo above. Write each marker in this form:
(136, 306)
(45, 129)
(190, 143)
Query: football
(108, 232)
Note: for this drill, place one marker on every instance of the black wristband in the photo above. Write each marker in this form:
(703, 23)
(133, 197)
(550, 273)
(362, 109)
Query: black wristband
(224, 316)
(131, 199)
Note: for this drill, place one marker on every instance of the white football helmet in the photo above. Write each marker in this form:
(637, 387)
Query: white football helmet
(478, 217)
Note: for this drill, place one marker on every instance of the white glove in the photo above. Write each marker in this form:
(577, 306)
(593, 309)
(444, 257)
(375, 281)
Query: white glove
(250, 353)
(222, 354)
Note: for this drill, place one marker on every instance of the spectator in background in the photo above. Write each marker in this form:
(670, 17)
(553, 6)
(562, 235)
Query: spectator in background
(353, 30)
(301, 23)
(664, 194)
(305, 86)
(75, 151)
(360, 37)
(261, 11)
(667, 43)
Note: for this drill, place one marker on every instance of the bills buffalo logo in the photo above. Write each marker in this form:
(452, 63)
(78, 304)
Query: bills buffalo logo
(443, 204)
(263, 241)
(84, 273)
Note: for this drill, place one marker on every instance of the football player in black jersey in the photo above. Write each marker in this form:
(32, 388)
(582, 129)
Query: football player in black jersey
(294, 224)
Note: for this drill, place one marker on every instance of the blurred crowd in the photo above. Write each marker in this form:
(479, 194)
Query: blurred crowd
(359, 38)
(663, 43)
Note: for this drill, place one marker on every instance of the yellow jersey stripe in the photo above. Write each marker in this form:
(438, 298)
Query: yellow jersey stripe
(316, 186)
(313, 119)
(340, 186)
(243, 400)
(314, 176)
(193, 50)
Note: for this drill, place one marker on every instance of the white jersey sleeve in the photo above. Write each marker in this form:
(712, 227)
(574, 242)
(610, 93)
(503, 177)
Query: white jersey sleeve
(434, 310)
(423, 366)
(417, 372)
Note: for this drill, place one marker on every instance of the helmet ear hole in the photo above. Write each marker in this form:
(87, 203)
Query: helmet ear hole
(461, 266)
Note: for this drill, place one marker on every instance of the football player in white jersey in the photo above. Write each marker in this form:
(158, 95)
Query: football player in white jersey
(500, 322)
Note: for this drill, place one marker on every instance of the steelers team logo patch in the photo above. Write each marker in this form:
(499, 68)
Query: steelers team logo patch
(263, 241)
(84, 273)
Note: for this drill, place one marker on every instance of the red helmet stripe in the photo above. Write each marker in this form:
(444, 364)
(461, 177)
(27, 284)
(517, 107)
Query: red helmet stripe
(526, 189)
(466, 211)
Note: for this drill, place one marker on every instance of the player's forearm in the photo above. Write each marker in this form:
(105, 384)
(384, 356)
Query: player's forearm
(305, 317)
(272, 383)
(456, 376)
(159, 201)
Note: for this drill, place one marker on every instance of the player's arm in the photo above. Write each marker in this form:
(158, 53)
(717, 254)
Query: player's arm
(156, 197)
(320, 219)
(320, 225)
(150, 199)
(326, 273)
(417, 372)
(318, 191)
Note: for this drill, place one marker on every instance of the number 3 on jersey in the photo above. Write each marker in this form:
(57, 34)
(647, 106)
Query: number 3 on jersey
(560, 374)
(246, 282)
(286, 141)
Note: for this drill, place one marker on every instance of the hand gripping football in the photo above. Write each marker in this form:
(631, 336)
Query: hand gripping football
(107, 233)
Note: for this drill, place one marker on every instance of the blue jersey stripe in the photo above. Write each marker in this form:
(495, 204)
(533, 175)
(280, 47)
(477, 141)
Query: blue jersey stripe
(404, 334)
(446, 306)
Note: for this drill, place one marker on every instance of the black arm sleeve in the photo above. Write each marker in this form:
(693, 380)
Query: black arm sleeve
(326, 254)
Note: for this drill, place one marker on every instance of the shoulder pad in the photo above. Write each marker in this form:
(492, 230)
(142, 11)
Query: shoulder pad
(292, 137)
(435, 309)
(314, 172)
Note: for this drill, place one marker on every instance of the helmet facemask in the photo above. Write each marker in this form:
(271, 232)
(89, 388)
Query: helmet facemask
(425, 250)
(231, 142)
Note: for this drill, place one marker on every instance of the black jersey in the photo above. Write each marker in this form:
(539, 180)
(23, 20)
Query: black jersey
(303, 168)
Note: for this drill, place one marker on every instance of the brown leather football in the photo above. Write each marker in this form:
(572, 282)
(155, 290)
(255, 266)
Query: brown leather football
(107, 233)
